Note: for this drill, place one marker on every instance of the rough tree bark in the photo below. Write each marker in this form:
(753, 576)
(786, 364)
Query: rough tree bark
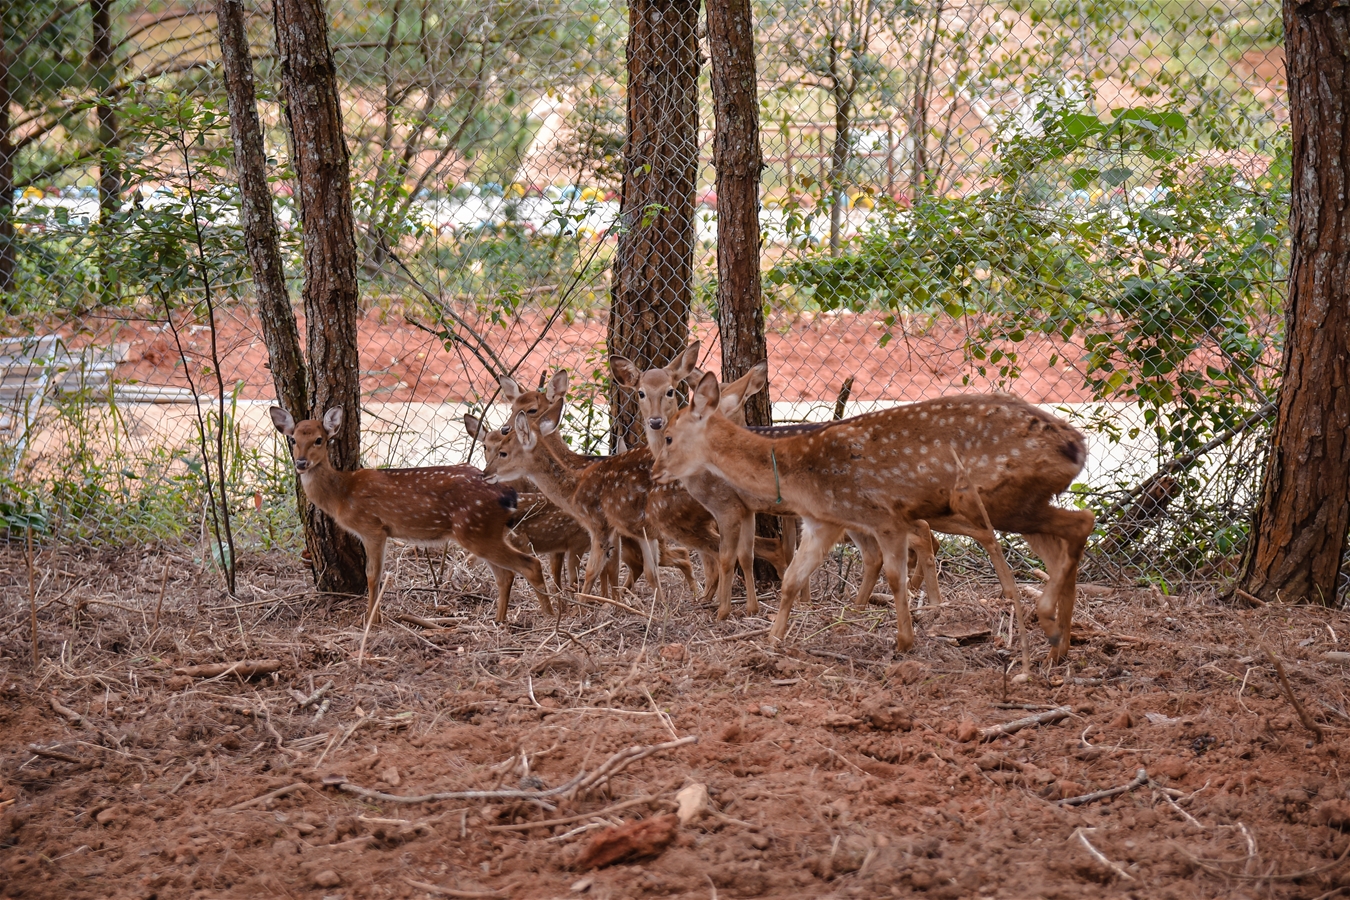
(284, 357)
(7, 249)
(653, 271)
(1300, 527)
(109, 173)
(738, 160)
(323, 169)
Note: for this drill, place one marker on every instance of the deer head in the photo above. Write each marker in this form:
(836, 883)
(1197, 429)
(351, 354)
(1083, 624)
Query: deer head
(309, 438)
(658, 395)
(514, 451)
(683, 445)
(532, 402)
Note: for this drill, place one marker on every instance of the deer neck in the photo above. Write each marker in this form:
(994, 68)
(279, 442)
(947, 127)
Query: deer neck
(558, 448)
(325, 486)
(747, 461)
(554, 475)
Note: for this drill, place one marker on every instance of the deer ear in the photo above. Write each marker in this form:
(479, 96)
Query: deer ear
(524, 433)
(332, 420)
(625, 373)
(757, 379)
(684, 364)
(284, 421)
(694, 375)
(557, 385)
(510, 389)
(706, 395)
(552, 417)
(473, 425)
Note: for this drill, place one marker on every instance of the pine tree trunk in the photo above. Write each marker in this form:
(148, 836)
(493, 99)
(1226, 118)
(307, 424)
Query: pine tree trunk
(284, 357)
(323, 169)
(7, 248)
(1299, 530)
(653, 270)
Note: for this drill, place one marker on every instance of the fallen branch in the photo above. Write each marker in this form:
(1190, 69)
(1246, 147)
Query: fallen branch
(1303, 716)
(1140, 779)
(270, 795)
(1100, 857)
(583, 781)
(1292, 876)
(1044, 718)
(54, 754)
(598, 599)
(242, 668)
(451, 892)
(303, 701)
(71, 714)
(567, 820)
(742, 636)
(428, 624)
(826, 654)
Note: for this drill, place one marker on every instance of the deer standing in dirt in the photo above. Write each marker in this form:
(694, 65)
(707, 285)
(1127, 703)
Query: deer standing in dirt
(428, 506)
(885, 470)
(539, 525)
(734, 510)
(533, 404)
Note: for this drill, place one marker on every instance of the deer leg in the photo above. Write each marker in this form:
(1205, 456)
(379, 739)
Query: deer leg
(374, 575)
(573, 566)
(652, 572)
(555, 567)
(728, 552)
(791, 526)
(894, 543)
(1060, 545)
(925, 568)
(746, 545)
(678, 557)
(631, 555)
(595, 560)
(871, 570)
(505, 578)
(501, 554)
(817, 539)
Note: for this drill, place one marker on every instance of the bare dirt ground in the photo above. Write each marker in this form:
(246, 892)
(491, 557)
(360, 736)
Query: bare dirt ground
(833, 769)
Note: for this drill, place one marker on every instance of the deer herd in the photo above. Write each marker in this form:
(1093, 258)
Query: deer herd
(963, 464)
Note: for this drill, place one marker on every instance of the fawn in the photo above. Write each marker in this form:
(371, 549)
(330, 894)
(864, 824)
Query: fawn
(734, 510)
(538, 523)
(883, 471)
(428, 506)
(533, 404)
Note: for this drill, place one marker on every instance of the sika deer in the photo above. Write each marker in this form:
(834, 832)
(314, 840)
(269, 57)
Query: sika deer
(429, 506)
(885, 470)
(734, 510)
(735, 517)
(539, 525)
(533, 404)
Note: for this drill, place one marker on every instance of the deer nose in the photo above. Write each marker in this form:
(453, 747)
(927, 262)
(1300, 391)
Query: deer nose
(656, 423)
(491, 479)
(301, 465)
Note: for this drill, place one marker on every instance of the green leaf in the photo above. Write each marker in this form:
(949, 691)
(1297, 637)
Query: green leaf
(1081, 178)
(1117, 176)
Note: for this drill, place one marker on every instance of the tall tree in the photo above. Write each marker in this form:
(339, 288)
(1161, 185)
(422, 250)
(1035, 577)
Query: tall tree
(1300, 527)
(7, 249)
(654, 267)
(322, 165)
(285, 359)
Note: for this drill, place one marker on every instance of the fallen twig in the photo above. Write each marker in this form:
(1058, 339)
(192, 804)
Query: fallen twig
(1177, 807)
(270, 795)
(581, 782)
(826, 654)
(567, 820)
(598, 599)
(32, 600)
(1291, 876)
(1081, 834)
(1042, 718)
(1140, 779)
(302, 701)
(1307, 720)
(54, 754)
(192, 770)
(451, 892)
(410, 619)
(242, 668)
(71, 714)
(742, 636)
(159, 604)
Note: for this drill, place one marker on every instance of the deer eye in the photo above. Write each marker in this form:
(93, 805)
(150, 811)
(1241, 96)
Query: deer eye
(642, 395)
(502, 454)
(670, 392)
(533, 410)
(318, 442)
(667, 442)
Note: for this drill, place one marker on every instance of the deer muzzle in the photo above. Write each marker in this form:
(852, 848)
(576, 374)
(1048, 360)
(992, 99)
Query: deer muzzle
(656, 423)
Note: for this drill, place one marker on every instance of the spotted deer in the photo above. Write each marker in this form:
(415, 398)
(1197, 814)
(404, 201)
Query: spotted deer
(734, 510)
(533, 404)
(428, 506)
(539, 526)
(883, 471)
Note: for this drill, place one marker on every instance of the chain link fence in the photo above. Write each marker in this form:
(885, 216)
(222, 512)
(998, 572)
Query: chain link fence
(1083, 202)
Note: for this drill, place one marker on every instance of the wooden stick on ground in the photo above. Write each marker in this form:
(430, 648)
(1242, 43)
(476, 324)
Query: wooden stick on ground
(583, 780)
(71, 714)
(32, 599)
(1043, 718)
(159, 604)
(270, 795)
(598, 599)
(1100, 857)
(451, 892)
(53, 754)
(242, 668)
(1303, 716)
(1140, 779)
(567, 820)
